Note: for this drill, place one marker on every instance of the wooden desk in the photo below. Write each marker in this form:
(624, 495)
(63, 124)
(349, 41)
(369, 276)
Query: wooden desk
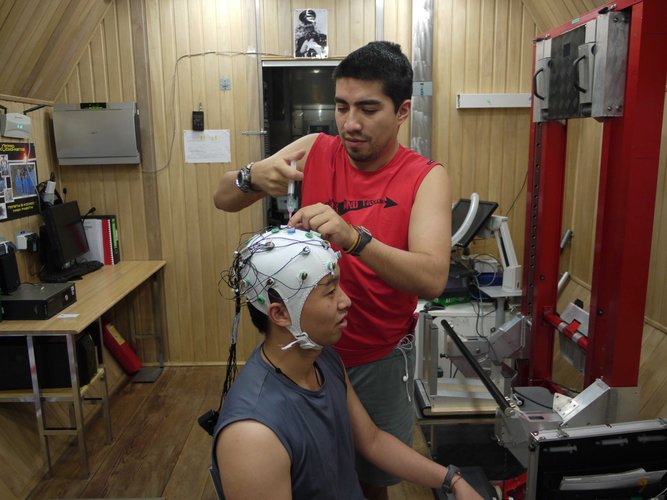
(97, 293)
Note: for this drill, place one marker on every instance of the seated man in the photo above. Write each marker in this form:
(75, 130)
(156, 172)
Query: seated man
(291, 421)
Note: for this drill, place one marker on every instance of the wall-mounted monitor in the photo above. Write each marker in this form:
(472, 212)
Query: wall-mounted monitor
(459, 212)
(97, 133)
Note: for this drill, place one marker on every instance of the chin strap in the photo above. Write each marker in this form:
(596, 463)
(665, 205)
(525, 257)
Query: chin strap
(304, 341)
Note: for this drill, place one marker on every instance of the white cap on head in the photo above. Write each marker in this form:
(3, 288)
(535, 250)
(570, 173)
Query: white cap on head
(290, 261)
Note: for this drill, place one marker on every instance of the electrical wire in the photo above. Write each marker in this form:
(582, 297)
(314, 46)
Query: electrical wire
(173, 93)
(525, 179)
(232, 277)
(480, 307)
(486, 263)
(242, 258)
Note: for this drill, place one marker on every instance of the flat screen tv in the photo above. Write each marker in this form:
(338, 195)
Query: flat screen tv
(65, 235)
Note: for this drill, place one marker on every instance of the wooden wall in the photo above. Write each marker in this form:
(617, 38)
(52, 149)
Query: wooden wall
(478, 49)
(195, 44)
(584, 141)
(139, 48)
(41, 41)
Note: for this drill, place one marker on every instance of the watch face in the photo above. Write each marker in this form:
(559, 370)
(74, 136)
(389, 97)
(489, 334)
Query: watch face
(239, 179)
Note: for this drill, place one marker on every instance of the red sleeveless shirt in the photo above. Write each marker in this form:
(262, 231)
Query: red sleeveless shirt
(381, 201)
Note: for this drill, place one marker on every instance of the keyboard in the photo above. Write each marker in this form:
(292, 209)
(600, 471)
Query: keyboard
(74, 272)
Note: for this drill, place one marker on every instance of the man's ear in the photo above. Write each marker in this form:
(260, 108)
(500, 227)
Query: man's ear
(279, 315)
(404, 111)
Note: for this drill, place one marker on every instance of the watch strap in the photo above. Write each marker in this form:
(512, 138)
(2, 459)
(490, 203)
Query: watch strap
(452, 472)
(364, 237)
(244, 179)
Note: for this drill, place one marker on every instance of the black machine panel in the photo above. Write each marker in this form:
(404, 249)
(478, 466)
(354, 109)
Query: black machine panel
(563, 95)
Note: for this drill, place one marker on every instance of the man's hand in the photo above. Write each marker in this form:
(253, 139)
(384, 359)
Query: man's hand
(272, 175)
(269, 176)
(323, 219)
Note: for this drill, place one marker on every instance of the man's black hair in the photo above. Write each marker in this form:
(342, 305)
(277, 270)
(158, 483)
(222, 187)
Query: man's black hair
(259, 319)
(380, 61)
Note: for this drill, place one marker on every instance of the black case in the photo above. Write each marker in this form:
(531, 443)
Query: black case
(51, 360)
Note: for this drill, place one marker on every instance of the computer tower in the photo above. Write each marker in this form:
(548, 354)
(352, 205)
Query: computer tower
(33, 301)
(9, 272)
(51, 359)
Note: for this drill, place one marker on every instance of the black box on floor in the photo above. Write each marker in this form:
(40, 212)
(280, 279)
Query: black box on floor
(37, 300)
(51, 360)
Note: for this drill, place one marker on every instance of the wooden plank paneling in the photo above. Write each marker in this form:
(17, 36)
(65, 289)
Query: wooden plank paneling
(84, 50)
(198, 240)
(476, 49)
(41, 42)
(483, 50)
(582, 174)
(657, 288)
(351, 24)
(547, 15)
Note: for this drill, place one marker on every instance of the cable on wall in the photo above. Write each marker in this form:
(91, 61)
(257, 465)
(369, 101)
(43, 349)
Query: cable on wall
(173, 92)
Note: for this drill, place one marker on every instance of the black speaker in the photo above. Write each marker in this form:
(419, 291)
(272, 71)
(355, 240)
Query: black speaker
(9, 272)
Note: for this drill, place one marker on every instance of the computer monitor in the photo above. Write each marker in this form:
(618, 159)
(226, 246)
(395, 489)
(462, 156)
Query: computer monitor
(459, 212)
(65, 235)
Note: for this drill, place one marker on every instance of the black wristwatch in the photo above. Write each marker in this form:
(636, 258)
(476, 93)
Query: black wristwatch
(452, 472)
(364, 237)
(243, 179)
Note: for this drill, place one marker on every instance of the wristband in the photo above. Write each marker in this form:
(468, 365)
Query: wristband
(356, 241)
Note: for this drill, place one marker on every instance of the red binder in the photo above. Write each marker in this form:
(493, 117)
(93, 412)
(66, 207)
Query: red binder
(102, 236)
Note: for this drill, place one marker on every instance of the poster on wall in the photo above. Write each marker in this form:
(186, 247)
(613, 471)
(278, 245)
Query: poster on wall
(310, 33)
(18, 181)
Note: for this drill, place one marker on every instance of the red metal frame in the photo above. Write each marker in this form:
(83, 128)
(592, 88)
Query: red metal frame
(626, 201)
(546, 181)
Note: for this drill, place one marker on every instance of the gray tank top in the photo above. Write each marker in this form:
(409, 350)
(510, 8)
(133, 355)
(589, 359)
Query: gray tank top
(313, 426)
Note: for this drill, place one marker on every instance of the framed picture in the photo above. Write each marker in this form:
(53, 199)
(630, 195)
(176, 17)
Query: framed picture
(310, 33)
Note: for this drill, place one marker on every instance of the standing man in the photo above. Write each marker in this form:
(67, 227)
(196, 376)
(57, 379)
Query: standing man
(388, 209)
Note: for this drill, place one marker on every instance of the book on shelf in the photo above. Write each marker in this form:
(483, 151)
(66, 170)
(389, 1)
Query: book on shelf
(102, 236)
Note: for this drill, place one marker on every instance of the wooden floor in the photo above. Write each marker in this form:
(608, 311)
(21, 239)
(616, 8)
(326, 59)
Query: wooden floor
(158, 449)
